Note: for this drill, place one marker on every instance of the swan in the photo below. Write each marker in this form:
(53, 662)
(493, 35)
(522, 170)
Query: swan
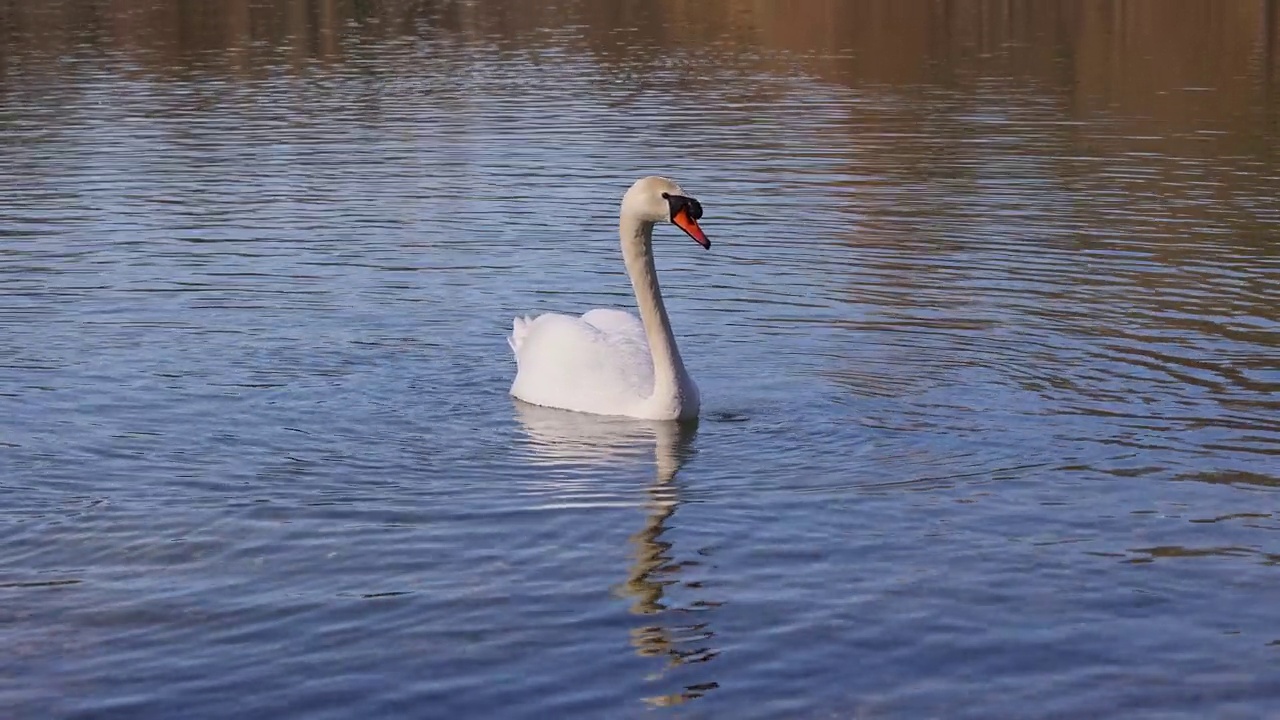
(608, 362)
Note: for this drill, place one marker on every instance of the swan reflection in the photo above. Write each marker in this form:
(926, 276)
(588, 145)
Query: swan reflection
(676, 629)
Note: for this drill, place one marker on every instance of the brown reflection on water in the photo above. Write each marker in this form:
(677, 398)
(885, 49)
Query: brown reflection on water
(1147, 56)
(1176, 71)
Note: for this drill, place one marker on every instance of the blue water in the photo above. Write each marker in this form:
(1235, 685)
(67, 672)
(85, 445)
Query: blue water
(989, 388)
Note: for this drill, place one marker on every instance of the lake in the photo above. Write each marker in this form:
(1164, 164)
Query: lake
(988, 343)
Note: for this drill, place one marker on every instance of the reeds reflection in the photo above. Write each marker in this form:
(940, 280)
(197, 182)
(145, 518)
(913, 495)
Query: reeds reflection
(1141, 56)
(674, 630)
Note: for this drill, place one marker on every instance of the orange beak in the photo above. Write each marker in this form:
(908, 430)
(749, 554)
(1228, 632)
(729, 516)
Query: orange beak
(685, 222)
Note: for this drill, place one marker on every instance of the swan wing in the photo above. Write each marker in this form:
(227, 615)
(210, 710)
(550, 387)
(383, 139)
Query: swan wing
(597, 363)
(619, 323)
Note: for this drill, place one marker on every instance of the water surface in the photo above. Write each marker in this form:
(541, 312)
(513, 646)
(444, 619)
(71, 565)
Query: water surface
(988, 344)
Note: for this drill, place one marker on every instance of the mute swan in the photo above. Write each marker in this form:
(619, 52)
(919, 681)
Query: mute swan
(607, 362)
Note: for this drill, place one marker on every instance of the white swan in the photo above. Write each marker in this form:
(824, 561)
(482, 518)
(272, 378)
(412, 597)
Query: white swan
(607, 362)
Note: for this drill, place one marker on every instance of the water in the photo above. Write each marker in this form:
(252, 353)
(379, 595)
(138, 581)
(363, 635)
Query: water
(988, 344)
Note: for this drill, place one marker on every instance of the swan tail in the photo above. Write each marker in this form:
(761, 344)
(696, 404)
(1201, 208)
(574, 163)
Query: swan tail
(519, 329)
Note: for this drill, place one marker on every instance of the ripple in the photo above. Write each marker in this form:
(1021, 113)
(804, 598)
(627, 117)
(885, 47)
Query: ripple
(988, 364)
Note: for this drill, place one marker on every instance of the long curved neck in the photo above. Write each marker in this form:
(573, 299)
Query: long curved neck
(637, 251)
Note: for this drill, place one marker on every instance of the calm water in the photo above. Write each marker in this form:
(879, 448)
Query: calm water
(988, 341)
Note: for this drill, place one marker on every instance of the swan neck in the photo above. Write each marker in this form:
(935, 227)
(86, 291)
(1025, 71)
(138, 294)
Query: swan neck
(637, 251)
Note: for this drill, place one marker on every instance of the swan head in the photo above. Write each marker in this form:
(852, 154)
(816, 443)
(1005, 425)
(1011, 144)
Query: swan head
(656, 199)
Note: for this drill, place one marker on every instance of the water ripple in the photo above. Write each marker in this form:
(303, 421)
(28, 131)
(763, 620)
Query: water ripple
(989, 371)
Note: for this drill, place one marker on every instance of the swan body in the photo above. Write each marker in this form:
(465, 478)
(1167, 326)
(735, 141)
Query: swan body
(609, 362)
